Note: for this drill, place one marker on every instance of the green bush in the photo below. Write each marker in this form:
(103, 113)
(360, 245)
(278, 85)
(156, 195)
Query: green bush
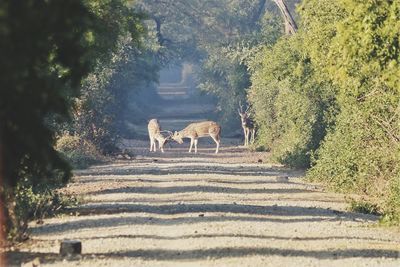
(79, 152)
(292, 109)
(34, 203)
(361, 154)
(392, 204)
(329, 96)
(363, 206)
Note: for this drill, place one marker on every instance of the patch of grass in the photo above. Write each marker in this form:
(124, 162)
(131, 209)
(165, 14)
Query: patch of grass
(260, 148)
(363, 206)
(34, 203)
(78, 152)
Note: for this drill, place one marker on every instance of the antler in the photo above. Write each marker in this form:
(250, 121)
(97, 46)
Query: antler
(169, 132)
(241, 107)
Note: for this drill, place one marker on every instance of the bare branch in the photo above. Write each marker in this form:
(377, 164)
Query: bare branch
(290, 24)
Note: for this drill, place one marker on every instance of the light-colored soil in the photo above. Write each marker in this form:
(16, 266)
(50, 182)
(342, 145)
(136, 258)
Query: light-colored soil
(178, 209)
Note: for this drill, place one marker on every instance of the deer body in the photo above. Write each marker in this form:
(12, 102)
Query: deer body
(247, 125)
(199, 129)
(155, 135)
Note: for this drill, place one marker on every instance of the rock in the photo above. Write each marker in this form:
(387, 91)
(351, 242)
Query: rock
(126, 156)
(282, 179)
(70, 247)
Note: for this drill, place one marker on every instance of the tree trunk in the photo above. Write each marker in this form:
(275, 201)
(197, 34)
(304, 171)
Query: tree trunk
(290, 24)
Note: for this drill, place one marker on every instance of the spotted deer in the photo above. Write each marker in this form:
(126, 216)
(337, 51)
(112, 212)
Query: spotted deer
(247, 125)
(199, 129)
(155, 134)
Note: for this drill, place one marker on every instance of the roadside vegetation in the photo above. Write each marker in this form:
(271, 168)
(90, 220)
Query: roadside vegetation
(61, 91)
(327, 98)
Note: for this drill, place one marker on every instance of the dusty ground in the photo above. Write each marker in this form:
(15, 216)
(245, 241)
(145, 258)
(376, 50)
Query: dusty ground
(230, 209)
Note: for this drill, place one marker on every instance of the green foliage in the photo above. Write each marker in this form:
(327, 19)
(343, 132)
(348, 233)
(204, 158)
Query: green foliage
(99, 115)
(34, 203)
(219, 37)
(226, 78)
(110, 92)
(47, 48)
(42, 48)
(292, 109)
(331, 94)
(79, 152)
(392, 205)
(363, 206)
(362, 153)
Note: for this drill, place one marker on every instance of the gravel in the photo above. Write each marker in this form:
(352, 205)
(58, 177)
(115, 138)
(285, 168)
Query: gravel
(230, 209)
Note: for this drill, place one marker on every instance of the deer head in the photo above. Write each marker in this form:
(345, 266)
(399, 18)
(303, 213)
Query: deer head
(177, 137)
(243, 114)
(165, 138)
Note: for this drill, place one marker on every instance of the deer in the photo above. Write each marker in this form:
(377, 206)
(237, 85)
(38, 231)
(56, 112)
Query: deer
(247, 125)
(155, 134)
(199, 129)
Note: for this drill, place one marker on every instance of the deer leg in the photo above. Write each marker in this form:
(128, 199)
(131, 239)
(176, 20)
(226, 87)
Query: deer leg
(245, 137)
(217, 141)
(191, 145)
(244, 132)
(195, 145)
(151, 144)
(253, 132)
(161, 146)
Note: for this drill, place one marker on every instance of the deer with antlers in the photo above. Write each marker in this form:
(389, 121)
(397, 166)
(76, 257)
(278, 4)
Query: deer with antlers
(155, 134)
(247, 125)
(199, 129)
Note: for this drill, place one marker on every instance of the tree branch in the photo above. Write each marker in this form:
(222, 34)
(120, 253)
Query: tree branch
(290, 24)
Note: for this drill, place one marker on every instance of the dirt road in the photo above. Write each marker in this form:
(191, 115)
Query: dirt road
(230, 209)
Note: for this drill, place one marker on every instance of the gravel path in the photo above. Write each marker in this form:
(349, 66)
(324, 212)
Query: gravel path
(230, 209)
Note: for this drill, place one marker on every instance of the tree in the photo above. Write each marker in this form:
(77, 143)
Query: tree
(47, 48)
(218, 36)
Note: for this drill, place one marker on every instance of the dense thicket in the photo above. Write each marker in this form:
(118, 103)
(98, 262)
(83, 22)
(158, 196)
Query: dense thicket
(47, 48)
(329, 96)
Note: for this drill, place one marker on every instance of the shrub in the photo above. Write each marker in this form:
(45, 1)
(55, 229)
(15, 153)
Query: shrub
(292, 109)
(79, 152)
(364, 206)
(34, 203)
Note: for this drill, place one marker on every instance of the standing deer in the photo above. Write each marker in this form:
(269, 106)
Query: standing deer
(199, 129)
(247, 125)
(155, 134)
